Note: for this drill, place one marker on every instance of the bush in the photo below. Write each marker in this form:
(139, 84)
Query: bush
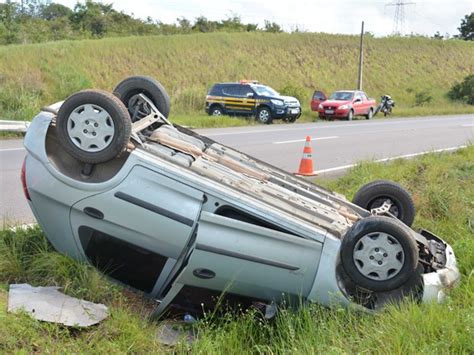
(423, 97)
(463, 91)
(295, 91)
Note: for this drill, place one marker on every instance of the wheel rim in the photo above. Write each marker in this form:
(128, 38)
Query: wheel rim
(394, 208)
(216, 112)
(264, 115)
(378, 256)
(90, 128)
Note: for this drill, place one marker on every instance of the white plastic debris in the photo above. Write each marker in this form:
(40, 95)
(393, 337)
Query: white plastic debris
(50, 305)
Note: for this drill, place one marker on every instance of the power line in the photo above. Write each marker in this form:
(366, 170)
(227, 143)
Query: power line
(399, 16)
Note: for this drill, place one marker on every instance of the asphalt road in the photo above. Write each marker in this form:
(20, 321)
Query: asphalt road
(336, 146)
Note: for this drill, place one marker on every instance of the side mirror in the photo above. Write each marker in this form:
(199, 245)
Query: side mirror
(357, 100)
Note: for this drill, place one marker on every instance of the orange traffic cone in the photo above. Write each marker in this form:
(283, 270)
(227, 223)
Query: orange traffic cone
(306, 165)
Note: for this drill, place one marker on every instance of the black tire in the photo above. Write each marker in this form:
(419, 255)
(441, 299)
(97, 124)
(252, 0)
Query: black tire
(291, 119)
(373, 195)
(216, 110)
(370, 114)
(127, 90)
(264, 115)
(399, 255)
(350, 116)
(113, 131)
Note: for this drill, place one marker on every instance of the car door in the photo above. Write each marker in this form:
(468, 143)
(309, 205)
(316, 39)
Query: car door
(248, 99)
(318, 97)
(358, 104)
(250, 260)
(233, 99)
(137, 230)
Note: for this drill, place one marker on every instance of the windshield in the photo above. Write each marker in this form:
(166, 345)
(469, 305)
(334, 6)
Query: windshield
(263, 90)
(341, 95)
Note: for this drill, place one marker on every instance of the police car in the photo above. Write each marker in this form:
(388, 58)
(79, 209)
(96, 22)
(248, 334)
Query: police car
(248, 97)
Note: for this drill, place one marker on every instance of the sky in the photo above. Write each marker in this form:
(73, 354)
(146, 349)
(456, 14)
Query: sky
(333, 16)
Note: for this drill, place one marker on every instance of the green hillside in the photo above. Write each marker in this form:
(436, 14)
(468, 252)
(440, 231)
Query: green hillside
(187, 65)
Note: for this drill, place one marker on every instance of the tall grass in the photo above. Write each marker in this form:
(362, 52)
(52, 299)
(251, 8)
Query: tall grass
(443, 188)
(188, 65)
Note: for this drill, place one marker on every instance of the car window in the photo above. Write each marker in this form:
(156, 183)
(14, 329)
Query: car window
(216, 90)
(263, 90)
(244, 90)
(318, 95)
(341, 95)
(232, 90)
(363, 96)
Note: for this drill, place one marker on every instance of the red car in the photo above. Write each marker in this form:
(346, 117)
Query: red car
(346, 104)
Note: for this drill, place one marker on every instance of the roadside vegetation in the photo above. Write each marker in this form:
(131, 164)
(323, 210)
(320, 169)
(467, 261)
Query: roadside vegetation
(443, 190)
(416, 72)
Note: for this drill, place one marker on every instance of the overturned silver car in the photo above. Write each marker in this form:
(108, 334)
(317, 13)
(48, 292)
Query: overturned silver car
(188, 221)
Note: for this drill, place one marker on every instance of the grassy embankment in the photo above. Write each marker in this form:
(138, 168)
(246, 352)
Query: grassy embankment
(443, 189)
(34, 75)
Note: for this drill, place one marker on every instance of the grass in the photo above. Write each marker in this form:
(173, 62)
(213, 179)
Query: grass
(38, 74)
(443, 189)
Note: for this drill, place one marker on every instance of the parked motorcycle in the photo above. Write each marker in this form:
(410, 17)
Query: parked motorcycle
(386, 105)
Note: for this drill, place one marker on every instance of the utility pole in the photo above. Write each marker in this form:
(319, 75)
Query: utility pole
(399, 16)
(361, 57)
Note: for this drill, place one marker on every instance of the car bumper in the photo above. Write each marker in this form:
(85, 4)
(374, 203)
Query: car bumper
(336, 113)
(285, 112)
(437, 283)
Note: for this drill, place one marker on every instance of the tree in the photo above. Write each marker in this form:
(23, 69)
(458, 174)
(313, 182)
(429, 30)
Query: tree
(272, 27)
(463, 91)
(437, 35)
(54, 11)
(466, 29)
(8, 22)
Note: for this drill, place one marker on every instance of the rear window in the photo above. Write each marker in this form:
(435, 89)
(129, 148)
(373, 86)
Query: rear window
(232, 90)
(216, 90)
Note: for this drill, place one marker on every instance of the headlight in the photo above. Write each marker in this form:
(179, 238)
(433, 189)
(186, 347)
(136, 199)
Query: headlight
(320, 106)
(277, 102)
(343, 107)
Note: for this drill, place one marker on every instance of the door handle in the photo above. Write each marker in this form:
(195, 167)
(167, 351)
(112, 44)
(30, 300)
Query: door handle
(204, 273)
(94, 213)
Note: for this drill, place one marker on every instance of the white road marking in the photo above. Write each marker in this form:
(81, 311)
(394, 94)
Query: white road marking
(304, 140)
(306, 127)
(405, 156)
(11, 149)
(468, 125)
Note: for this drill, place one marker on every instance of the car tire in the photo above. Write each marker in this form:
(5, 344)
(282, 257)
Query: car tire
(216, 110)
(93, 126)
(350, 117)
(291, 119)
(379, 253)
(264, 115)
(373, 195)
(370, 114)
(128, 89)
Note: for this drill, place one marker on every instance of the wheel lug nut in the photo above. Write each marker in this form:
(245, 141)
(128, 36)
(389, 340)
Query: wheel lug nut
(385, 255)
(87, 122)
(85, 131)
(371, 257)
(376, 249)
(93, 133)
(380, 263)
(96, 125)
